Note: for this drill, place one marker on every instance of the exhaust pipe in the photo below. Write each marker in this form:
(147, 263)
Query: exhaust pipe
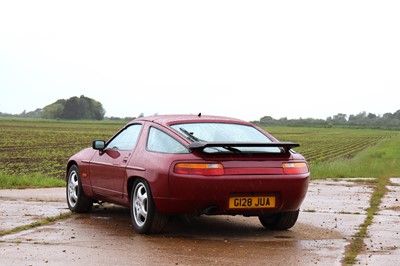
(212, 210)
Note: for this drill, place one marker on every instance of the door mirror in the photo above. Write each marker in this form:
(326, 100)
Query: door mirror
(98, 145)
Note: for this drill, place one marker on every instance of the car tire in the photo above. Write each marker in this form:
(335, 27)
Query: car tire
(145, 217)
(279, 221)
(76, 199)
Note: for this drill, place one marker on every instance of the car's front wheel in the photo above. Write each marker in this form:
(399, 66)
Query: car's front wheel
(76, 199)
(145, 217)
(279, 221)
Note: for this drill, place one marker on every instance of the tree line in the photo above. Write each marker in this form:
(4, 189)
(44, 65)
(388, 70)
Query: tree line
(362, 119)
(77, 108)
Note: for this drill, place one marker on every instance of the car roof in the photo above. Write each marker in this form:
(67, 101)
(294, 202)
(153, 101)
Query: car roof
(189, 118)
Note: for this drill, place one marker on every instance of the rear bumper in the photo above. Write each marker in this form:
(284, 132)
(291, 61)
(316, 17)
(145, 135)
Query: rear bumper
(204, 194)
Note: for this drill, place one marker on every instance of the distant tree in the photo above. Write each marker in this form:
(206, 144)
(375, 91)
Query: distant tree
(72, 109)
(340, 117)
(34, 114)
(54, 110)
(387, 116)
(361, 115)
(96, 109)
(75, 108)
(396, 114)
(266, 119)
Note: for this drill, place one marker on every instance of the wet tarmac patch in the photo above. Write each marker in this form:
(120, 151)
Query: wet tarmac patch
(330, 216)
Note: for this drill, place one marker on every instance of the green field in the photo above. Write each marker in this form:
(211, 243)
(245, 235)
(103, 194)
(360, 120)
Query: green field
(32, 148)
(40, 148)
(345, 152)
(330, 144)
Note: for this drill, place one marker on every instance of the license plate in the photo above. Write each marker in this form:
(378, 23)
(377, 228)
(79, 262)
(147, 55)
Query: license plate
(251, 202)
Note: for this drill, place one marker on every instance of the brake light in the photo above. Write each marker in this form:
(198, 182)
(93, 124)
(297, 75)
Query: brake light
(199, 168)
(295, 168)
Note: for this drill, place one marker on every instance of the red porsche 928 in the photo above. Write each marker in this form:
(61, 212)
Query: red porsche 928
(166, 165)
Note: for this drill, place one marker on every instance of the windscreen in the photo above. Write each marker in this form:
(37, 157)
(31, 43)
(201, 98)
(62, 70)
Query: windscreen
(225, 132)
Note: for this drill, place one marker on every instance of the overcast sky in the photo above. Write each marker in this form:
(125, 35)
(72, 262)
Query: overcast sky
(244, 59)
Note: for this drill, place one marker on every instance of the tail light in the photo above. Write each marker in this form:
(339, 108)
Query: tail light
(295, 168)
(199, 168)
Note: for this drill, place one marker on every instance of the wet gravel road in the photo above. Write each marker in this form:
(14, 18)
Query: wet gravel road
(330, 215)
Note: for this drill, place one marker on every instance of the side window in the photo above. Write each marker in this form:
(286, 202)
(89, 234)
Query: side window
(158, 141)
(126, 139)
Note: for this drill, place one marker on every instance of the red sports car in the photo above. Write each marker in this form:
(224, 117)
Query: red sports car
(164, 165)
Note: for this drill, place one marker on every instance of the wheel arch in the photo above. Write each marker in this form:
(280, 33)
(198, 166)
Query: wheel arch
(86, 183)
(76, 199)
(129, 184)
(151, 221)
(69, 165)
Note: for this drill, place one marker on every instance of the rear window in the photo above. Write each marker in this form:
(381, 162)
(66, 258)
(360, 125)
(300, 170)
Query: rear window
(225, 132)
(221, 132)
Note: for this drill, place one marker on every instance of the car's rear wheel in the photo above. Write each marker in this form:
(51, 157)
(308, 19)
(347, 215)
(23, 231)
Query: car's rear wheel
(145, 217)
(76, 199)
(279, 221)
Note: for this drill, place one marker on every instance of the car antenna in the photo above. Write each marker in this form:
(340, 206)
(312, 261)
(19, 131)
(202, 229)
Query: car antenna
(199, 115)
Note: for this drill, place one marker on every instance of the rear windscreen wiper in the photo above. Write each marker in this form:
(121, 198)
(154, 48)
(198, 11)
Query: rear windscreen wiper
(232, 149)
(189, 134)
(201, 145)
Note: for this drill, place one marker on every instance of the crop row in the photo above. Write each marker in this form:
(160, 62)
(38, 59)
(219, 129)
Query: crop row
(41, 147)
(329, 144)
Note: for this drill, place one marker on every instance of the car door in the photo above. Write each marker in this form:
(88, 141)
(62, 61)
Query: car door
(107, 167)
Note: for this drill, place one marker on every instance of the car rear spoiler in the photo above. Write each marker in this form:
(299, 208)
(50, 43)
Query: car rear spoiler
(201, 145)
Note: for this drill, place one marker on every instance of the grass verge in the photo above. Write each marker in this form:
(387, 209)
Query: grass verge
(357, 243)
(35, 180)
(41, 222)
